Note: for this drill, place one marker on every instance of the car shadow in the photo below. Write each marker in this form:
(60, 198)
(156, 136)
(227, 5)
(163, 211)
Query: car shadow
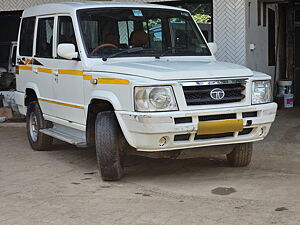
(140, 167)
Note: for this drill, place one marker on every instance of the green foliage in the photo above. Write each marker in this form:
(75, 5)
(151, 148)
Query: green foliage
(202, 18)
(201, 12)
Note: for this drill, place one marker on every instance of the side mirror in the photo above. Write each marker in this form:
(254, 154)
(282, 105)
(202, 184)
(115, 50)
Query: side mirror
(67, 51)
(213, 47)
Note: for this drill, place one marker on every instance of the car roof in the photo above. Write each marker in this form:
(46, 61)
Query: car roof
(71, 7)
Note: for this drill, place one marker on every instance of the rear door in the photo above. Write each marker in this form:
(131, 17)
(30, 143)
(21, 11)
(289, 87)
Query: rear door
(43, 61)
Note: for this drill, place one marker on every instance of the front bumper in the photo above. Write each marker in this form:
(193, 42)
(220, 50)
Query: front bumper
(162, 131)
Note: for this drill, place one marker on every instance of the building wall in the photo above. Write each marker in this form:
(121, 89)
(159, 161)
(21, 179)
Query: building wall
(235, 28)
(257, 59)
(229, 24)
(9, 5)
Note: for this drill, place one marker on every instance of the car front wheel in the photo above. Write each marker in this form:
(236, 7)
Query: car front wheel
(109, 139)
(241, 155)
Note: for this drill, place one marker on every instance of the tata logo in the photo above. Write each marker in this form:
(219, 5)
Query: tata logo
(217, 94)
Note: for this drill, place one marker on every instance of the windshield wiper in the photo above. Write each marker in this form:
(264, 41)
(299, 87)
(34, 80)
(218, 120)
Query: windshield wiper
(130, 50)
(168, 51)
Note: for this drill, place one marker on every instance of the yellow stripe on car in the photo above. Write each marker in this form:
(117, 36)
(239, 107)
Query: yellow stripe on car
(44, 70)
(87, 77)
(112, 81)
(71, 72)
(25, 67)
(60, 103)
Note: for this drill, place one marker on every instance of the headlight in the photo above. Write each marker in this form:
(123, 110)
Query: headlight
(261, 92)
(160, 98)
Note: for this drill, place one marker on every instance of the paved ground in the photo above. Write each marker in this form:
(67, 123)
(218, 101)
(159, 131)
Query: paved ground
(62, 186)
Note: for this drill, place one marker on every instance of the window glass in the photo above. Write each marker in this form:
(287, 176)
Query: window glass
(4, 54)
(14, 56)
(271, 37)
(125, 29)
(297, 16)
(66, 32)
(44, 45)
(112, 32)
(184, 37)
(26, 36)
(155, 33)
(90, 33)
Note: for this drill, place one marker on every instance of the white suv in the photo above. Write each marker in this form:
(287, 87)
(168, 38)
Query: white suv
(134, 77)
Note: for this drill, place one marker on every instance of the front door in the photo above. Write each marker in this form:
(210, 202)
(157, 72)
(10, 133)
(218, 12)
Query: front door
(68, 77)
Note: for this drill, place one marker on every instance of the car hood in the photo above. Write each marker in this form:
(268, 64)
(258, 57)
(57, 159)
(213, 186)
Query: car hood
(175, 69)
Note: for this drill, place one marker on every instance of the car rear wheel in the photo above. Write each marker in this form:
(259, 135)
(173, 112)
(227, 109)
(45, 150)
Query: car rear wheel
(34, 123)
(109, 139)
(241, 155)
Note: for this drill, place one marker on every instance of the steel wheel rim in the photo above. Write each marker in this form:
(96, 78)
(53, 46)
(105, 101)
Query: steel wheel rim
(33, 127)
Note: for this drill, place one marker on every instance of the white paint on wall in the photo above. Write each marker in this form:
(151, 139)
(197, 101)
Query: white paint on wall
(257, 59)
(230, 30)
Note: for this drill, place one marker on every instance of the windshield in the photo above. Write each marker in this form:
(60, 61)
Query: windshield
(158, 32)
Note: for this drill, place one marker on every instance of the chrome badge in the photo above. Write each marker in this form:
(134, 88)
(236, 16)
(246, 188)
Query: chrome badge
(217, 94)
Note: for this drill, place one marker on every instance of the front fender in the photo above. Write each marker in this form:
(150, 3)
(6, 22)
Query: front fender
(107, 96)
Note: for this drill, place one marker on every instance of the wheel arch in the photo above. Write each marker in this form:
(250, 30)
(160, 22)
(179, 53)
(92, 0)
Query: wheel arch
(95, 106)
(31, 93)
(30, 96)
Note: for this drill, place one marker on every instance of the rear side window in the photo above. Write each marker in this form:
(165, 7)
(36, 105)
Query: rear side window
(44, 45)
(26, 37)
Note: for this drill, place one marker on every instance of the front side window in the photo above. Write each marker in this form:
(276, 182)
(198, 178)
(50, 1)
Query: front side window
(151, 32)
(44, 41)
(66, 32)
(26, 36)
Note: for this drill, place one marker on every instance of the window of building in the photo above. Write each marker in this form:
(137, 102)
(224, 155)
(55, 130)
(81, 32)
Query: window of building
(271, 37)
(297, 16)
(26, 37)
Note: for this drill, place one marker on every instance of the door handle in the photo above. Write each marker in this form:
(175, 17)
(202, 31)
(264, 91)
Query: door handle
(55, 72)
(35, 70)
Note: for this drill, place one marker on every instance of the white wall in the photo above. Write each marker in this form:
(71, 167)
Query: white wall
(235, 28)
(257, 59)
(8, 5)
(229, 24)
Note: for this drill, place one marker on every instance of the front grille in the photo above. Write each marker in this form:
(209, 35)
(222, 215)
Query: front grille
(182, 137)
(249, 114)
(201, 94)
(246, 131)
(209, 136)
(186, 137)
(218, 117)
(183, 120)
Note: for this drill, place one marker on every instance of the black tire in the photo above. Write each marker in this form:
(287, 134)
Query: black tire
(241, 155)
(109, 145)
(42, 141)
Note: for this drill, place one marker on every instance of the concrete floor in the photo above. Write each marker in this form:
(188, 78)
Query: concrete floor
(62, 186)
